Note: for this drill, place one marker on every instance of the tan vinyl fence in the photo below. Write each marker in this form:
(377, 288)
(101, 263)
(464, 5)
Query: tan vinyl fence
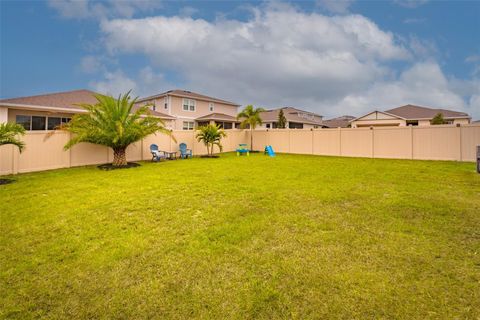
(426, 143)
(44, 151)
(444, 142)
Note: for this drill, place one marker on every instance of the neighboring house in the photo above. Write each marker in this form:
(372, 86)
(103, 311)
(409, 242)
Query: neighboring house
(296, 119)
(408, 115)
(190, 109)
(339, 122)
(47, 111)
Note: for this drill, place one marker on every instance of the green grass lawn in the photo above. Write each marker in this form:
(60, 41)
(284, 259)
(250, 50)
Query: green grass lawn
(244, 237)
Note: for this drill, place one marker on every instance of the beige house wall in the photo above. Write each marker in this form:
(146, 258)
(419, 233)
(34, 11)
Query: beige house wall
(202, 108)
(365, 122)
(378, 123)
(3, 114)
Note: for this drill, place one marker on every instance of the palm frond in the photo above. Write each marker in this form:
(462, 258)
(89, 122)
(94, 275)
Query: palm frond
(9, 134)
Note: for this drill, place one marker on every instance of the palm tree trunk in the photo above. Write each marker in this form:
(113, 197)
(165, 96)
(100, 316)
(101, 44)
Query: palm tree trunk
(119, 157)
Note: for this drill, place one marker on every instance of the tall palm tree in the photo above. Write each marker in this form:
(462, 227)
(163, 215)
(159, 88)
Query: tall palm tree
(211, 135)
(251, 117)
(114, 123)
(9, 133)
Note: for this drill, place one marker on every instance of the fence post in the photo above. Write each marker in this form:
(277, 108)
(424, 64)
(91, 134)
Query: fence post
(372, 129)
(289, 139)
(411, 142)
(312, 139)
(69, 151)
(15, 160)
(339, 141)
(460, 142)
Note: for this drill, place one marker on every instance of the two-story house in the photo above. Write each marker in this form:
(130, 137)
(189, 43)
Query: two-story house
(190, 110)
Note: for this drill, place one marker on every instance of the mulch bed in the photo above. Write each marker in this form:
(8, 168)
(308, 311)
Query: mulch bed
(109, 166)
(6, 181)
(212, 156)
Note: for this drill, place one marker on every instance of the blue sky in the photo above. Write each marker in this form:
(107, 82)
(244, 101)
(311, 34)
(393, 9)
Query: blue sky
(331, 57)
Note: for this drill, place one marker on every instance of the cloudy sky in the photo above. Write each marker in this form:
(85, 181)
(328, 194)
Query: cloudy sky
(331, 57)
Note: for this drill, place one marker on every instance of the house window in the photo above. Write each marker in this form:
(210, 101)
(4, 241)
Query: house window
(211, 106)
(165, 103)
(224, 125)
(412, 122)
(188, 125)
(268, 125)
(24, 121)
(295, 125)
(275, 125)
(66, 120)
(53, 123)
(202, 123)
(188, 105)
(39, 123)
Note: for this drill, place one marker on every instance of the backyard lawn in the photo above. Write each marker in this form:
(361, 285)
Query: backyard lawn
(243, 237)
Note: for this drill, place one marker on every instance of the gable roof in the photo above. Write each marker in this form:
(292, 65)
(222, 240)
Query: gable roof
(377, 112)
(188, 94)
(292, 115)
(339, 122)
(217, 116)
(63, 101)
(413, 112)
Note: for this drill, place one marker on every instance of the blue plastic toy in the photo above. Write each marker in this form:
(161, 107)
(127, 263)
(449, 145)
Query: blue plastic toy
(269, 151)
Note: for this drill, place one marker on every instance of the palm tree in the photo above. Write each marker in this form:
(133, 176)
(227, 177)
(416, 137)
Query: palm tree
(113, 123)
(211, 135)
(9, 133)
(251, 117)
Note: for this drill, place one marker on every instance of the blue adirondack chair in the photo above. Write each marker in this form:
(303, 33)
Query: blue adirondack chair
(157, 155)
(184, 152)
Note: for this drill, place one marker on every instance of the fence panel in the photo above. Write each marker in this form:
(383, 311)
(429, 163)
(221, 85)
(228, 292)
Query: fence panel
(43, 152)
(392, 142)
(326, 142)
(436, 143)
(357, 142)
(301, 141)
(6, 159)
(279, 140)
(470, 138)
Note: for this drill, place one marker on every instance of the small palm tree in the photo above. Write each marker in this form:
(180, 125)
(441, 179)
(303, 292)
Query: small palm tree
(251, 117)
(9, 133)
(211, 135)
(113, 123)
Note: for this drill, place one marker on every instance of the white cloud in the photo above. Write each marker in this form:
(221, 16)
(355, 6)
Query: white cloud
(90, 64)
(277, 51)
(281, 56)
(335, 6)
(114, 83)
(146, 82)
(423, 84)
(90, 9)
